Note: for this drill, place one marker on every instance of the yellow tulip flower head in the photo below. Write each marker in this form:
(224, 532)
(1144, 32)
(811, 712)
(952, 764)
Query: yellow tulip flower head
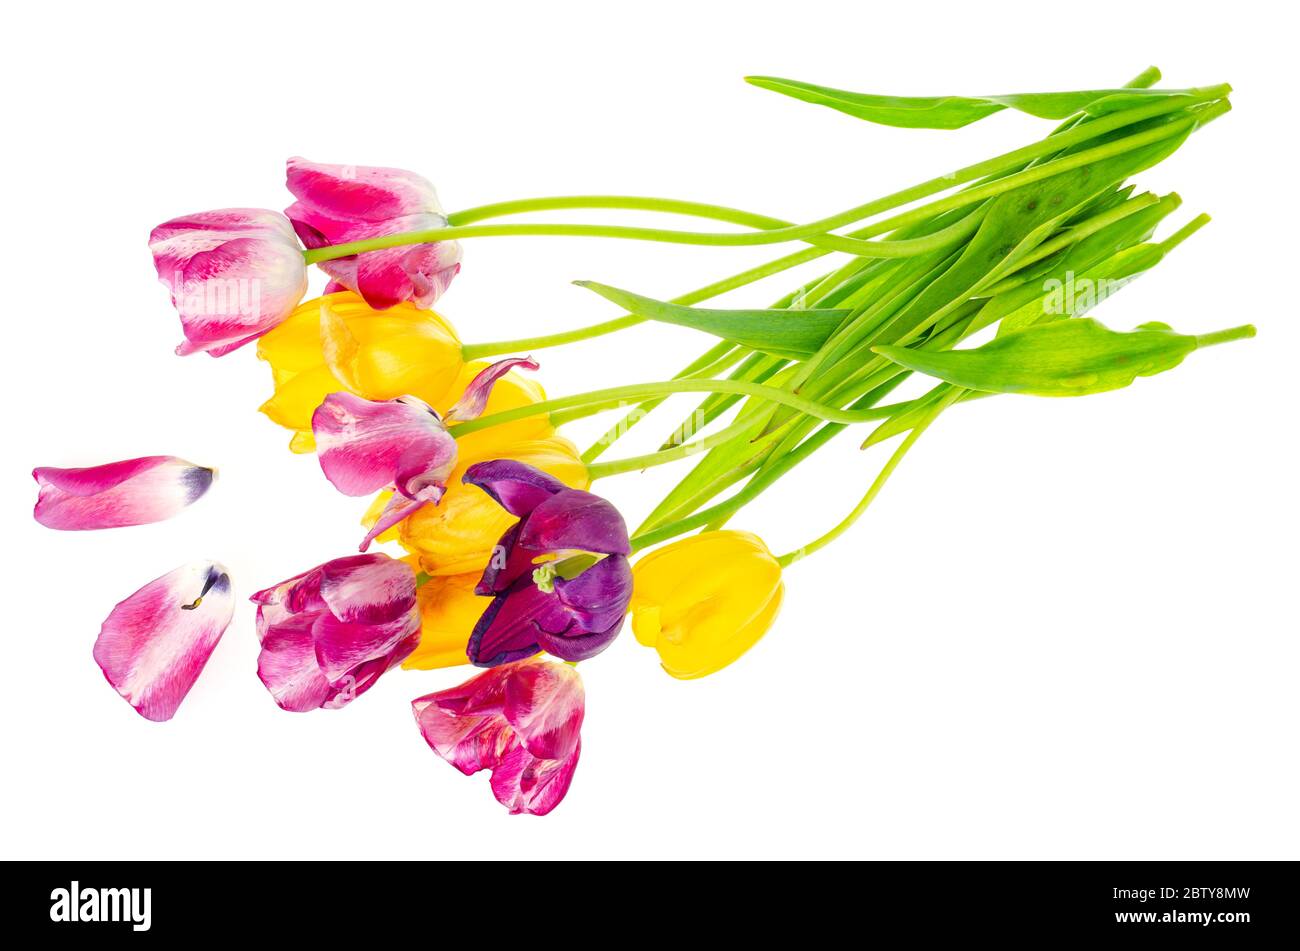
(449, 609)
(704, 600)
(340, 343)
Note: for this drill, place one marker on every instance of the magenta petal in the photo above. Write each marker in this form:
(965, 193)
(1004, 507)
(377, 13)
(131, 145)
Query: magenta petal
(398, 508)
(338, 204)
(368, 589)
(469, 743)
(474, 399)
(358, 192)
(153, 645)
(132, 492)
(287, 666)
(365, 445)
(544, 703)
(516, 486)
(573, 520)
(342, 648)
(525, 784)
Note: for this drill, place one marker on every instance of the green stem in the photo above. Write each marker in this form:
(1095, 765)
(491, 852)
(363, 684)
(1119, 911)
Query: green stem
(502, 209)
(614, 397)
(816, 232)
(1224, 336)
(817, 544)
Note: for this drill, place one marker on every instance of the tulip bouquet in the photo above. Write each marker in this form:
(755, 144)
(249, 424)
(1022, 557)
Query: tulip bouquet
(510, 563)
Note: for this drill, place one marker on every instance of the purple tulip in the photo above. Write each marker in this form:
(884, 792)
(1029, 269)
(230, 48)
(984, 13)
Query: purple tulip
(571, 606)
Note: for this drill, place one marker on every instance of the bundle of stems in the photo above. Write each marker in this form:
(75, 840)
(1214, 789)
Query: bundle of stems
(992, 252)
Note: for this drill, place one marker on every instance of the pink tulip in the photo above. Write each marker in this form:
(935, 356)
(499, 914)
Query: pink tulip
(338, 204)
(233, 274)
(328, 634)
(521, 720)
(401, 444)
(155, 643)
(131, 492)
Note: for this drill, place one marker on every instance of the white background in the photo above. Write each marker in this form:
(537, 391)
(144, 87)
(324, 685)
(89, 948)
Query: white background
(1067, 629)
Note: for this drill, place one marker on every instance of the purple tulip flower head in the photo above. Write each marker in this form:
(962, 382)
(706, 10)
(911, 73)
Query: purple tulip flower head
(559, 578)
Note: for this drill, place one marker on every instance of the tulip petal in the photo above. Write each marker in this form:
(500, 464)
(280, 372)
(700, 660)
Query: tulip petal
(573, 520)
(544, 702)
(510, 627)
(599, 596)
(131, 492)
(341, 647)
(287, 666)
(470, 742)
(525, 784)
(473, 401)
(398, 509)
(358, 192)
(516, 486)
(507, 564)
(154, 644)
(368, 589)
(364, 446)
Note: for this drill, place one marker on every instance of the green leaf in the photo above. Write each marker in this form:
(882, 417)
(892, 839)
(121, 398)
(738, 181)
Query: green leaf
(953, 112)
(792, 333)
(1066, 358)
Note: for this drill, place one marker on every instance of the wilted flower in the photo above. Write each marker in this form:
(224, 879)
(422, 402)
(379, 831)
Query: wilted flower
(328, 634)
(521, 720)
(560, 576)
(233, 275)
(402, 444)
(339, 204)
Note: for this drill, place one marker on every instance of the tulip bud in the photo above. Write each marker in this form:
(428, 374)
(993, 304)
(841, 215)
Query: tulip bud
(704, 600)
(233, 275)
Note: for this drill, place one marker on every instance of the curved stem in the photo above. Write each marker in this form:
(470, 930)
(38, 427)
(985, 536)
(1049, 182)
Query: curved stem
(598, 470)
(817, 544)
(614, 397)
(502, 209)
(815, 232)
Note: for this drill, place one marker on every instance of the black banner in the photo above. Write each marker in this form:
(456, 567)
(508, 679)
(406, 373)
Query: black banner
(1222, 902)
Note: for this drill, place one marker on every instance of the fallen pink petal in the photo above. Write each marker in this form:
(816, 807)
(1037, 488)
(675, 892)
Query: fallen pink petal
(154, 644)
(118, 494)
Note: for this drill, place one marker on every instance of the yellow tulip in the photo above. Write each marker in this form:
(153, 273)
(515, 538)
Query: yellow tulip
(449, 609)
(705, 600)
(457, 535)
(338, 342)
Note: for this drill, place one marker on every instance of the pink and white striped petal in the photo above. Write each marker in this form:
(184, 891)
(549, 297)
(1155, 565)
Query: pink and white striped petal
(364, 446)
(154, 644)
(473, 401)
(233, 274)
(524, 783)
(117, 494)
